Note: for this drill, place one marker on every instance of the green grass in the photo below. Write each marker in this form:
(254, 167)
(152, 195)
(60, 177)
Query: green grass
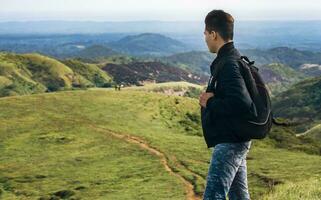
(51, 136)
(306, 189)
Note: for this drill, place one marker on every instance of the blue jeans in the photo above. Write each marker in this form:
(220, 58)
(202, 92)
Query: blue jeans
(227, 174)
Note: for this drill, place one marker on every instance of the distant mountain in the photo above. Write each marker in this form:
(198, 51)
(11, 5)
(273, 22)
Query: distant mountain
(34, 73)
(56, 45)
(284, 55)
(197, 61)
(148, 44)
(95, 51)
(138, 73)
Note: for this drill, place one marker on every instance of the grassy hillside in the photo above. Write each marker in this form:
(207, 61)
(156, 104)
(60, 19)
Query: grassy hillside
(34, 73)
(305, 189)
(66, 146)
(91, 72)
(301, 101)
(51, 72)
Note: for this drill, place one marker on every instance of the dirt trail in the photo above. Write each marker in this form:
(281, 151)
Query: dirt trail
(190, 193)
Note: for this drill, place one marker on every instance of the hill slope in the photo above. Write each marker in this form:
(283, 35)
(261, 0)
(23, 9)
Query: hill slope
(301, 104)
(280, 77)
(91, 72)
(302, 99)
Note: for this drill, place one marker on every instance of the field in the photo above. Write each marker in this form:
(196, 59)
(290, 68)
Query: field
(106, 144)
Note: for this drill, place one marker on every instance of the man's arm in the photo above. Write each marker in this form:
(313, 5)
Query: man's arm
(236, 100)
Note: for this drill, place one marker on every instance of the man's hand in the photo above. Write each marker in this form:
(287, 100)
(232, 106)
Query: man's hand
(204, 97)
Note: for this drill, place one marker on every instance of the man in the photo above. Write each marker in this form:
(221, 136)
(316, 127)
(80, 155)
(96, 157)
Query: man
(226, 98)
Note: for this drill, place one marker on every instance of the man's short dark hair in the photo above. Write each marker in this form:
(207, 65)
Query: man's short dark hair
(221, 22)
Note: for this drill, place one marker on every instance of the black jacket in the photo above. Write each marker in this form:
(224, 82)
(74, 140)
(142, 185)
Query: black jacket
(231, 99)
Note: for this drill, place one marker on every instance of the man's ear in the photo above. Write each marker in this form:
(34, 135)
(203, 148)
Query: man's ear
(213, 35)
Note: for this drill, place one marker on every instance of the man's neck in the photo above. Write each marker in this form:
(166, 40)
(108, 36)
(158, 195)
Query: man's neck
(223, 45)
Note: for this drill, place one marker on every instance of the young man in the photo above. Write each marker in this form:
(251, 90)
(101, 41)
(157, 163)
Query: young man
(225, 98)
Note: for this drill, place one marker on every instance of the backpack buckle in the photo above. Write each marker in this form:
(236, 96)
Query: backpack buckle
(247, 60)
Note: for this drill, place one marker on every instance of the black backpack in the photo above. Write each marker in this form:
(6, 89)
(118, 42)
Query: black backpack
(254, 127)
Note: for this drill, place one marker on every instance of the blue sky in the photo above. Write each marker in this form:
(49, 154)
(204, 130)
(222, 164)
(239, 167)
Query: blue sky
(164, 10)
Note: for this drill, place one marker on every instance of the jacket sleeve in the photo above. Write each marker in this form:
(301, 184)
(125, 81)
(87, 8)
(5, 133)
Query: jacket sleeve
(236, 100)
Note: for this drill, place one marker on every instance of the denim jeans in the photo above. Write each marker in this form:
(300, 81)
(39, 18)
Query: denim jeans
(227, 174)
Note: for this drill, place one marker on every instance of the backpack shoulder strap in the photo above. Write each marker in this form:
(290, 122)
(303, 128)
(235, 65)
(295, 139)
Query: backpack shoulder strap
(214, 73)
(219, 66)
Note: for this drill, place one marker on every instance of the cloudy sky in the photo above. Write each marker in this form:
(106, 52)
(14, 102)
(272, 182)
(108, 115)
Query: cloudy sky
(165, 10)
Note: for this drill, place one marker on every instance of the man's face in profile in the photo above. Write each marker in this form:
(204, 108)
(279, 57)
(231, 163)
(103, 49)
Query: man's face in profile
(210, 40)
